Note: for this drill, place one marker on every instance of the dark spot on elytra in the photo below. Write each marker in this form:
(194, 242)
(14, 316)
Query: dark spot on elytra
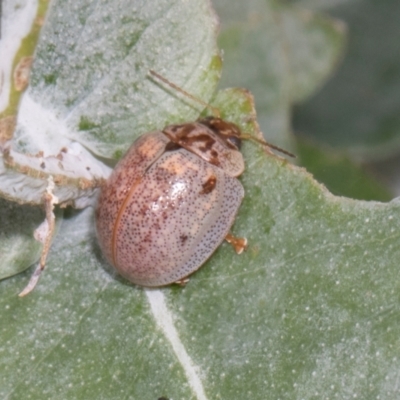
(214, 159)
(209, 185)
(183, 238)
(144, 210)
(43, 165)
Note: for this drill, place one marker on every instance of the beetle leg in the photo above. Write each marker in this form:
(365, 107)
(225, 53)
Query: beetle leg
(49, 227)
(182, 282)
(238, 243)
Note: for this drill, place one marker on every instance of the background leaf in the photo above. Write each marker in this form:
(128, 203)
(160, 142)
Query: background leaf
(339, 173)
(358, 109)
(281, 54)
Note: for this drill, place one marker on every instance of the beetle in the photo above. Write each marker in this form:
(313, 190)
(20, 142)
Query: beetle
(172, 200)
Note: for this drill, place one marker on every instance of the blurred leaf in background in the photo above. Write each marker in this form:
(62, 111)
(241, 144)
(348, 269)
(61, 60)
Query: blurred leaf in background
(357, 111)
(280, 53)
(342, 176)
(285, 52)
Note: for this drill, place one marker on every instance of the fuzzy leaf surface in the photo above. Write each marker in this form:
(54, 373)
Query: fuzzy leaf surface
(310, 308)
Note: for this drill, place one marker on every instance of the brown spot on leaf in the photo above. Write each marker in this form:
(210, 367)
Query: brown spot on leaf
(21, 73)
(7, 126)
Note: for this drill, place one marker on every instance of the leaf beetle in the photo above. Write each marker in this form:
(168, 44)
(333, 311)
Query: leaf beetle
(172, 200)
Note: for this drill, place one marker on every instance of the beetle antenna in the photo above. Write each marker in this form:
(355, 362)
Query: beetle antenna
(214, 110)
(265, 143)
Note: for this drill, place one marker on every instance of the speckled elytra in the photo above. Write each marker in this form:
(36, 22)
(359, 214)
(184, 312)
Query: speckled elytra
(172, 200)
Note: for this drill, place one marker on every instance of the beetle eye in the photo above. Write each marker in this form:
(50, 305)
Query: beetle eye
(234, 141)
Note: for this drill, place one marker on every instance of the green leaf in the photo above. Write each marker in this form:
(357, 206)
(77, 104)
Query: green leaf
(18, 248)
(308, 311)
(90, 80)
(21, 24)
(90, 83)
(358, 109)
(320, 4)
(90, 89)
(281, 54)
(309, 308)
(340, 175)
